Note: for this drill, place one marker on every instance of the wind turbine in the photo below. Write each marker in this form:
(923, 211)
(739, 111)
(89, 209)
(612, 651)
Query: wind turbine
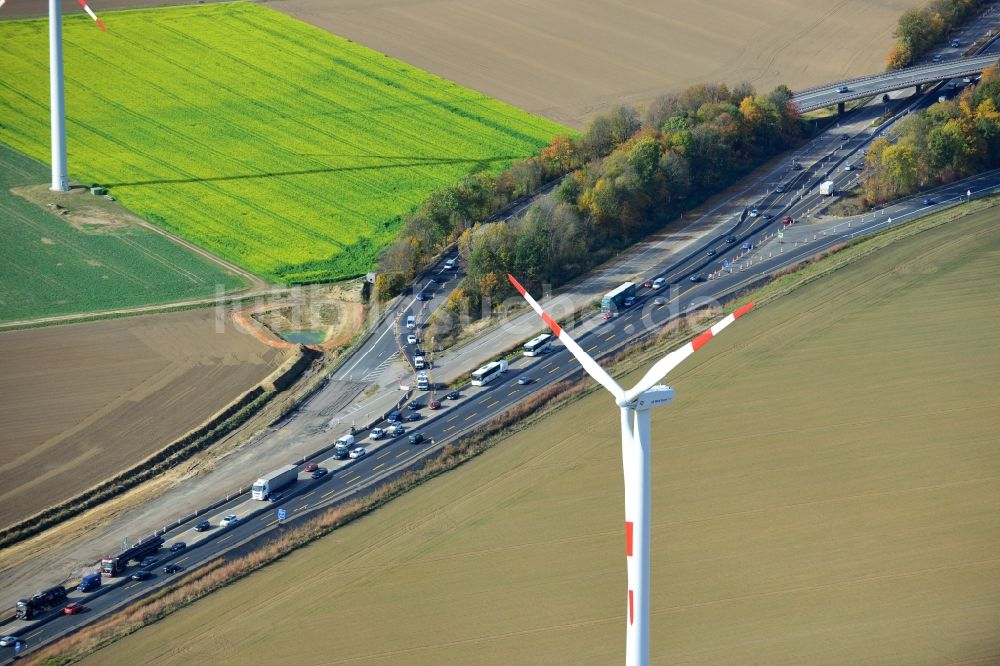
(635, 405)
(57, 104)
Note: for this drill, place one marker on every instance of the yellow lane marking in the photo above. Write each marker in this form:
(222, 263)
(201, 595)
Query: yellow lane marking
(384, 455)
(38, 632)
(307, 494)
(378, 466)
(553, 370)
(446, 430)
(225, 538)
(493, 404)
(592, 347)
(453, 418)
(513, 391)
(182, 559)
(401, 454)
(325, 495)
(470, 417)
(273, 522)
(544, 365)
(352, 480)
(610, 337)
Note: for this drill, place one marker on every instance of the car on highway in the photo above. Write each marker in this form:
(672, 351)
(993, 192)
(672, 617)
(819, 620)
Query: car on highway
(731, 239)
(203, 526)
(936, 57)
(275, 497)
(393, 416)
(848, 167)
(74, 608)
(779, 189)
(358, 452)
(423, 296)
(434, 404)
(416, 438)
(787, 219)
(454, 395)
(376, 434)
(450, 264)
(928, 202)
(415, 405)
(171, 568)
(319, 473)
(524, 380)
(411, 339)
(648, 284)
(148, 562)
(8, 641)
(177, 545)
(396, 430)
(754, 212)
(142, 574)
(658, 283)
(415, 416)
(659, 302)
(310, 467)
(843, 89)
(697, 277)
(712, 252)
(844, 137)
(229, 520)
(747, 245)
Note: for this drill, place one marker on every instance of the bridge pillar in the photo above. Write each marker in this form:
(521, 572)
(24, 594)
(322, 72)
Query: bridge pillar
(919, 88)
(840, 108)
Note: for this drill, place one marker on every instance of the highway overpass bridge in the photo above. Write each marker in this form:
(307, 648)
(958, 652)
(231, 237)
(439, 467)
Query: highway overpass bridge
(877, 84)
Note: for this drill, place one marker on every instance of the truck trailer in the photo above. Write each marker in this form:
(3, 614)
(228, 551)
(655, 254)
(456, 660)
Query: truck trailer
(43, 601)
(90, 582)
(826, 188)
(114, 565)
(616, 299)
(276, 480)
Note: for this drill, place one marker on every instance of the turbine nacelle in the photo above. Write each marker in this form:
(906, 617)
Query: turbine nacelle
(657, 396)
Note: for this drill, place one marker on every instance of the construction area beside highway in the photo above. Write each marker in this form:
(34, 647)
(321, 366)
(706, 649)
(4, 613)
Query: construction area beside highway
(824, 486)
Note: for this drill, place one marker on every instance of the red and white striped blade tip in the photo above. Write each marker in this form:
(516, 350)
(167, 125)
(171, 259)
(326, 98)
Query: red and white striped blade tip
(589, 364)
(90, 12)
(671, 360)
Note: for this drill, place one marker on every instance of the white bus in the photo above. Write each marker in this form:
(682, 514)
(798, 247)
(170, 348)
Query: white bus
(538, 346)
(488, 373)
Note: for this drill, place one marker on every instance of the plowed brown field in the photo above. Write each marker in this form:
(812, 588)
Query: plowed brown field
(567, 59)
(80, 403)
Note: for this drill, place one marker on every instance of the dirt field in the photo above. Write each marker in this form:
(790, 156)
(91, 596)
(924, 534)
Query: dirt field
(825, 492)
(568, 59)
(81, 402)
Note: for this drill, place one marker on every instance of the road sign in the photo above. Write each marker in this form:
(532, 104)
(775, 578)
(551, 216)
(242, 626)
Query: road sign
(781, 234)
(281, 514)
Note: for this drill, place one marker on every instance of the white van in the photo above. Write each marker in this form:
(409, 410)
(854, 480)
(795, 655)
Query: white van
(418, 362)
(450, 264)
(658, 283)
(411, 322)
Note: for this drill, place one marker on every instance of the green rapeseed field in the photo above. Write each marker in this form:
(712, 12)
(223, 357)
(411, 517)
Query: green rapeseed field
(274, 144)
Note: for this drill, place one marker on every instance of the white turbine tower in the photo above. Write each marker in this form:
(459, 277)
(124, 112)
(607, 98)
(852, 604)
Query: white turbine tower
(57, 105)
(635, 405)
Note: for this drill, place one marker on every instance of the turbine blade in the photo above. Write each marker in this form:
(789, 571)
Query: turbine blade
(670, 361)
(92, 15)
(589, 364)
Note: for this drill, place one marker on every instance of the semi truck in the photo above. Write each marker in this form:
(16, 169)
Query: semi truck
(43, 601)
(276, 480)
(826, 188)
(114, 565)
(616, 299)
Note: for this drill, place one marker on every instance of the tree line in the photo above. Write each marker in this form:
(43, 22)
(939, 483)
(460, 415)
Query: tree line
(921, 29)
(949, 140)
(629, 174)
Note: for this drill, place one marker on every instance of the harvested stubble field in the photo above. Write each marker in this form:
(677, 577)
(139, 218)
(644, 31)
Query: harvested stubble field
(79, 403)
(274, 144)
(53, 265)
(825, 489)
(568, 59)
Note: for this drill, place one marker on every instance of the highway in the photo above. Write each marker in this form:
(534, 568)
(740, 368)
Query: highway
(823, 158)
